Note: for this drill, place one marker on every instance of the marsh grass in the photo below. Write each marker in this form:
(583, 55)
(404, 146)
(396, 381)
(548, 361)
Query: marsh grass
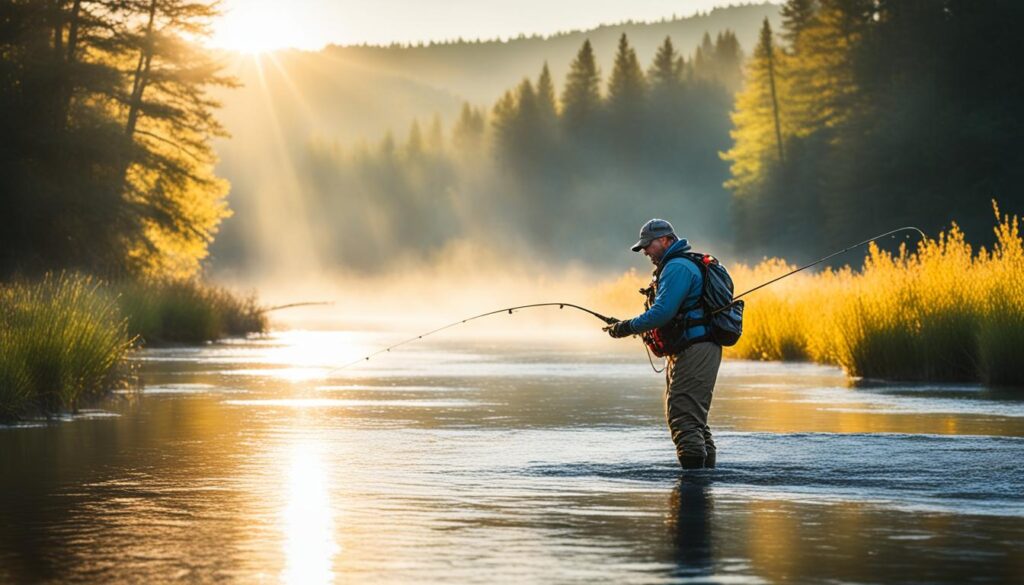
(942, 312)
(187, 311)
(62, 340)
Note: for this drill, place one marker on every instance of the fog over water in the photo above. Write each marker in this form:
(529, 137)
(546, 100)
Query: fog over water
(329, 176)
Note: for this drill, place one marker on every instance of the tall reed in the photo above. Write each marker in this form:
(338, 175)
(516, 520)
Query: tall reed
(62, 340)
(187, 311)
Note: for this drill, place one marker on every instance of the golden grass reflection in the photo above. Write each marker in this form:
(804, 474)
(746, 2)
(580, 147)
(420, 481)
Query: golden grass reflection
(309, 545)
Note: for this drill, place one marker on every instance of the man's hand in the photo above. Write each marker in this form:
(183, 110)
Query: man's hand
(619, 329)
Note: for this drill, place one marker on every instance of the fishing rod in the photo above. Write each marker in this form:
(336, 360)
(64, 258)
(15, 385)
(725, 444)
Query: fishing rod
(820, 260)
(509, 310)
(293, 305)
(791, 273)
(612, 320)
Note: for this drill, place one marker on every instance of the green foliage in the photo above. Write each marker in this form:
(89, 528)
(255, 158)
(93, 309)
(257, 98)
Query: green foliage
(187, 311)
(890, 113)
(547, 109)
(628, 86)
(581, 97)
(62, 340)
(106, 159)
(757, 147)
(666, 72)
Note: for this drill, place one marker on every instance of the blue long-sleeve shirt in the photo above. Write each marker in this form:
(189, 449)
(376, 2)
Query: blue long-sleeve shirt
(679, 285)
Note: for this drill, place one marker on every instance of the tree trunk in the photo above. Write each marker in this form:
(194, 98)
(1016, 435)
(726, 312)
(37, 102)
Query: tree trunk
(67, 80)
(141, 74)
(775, 103)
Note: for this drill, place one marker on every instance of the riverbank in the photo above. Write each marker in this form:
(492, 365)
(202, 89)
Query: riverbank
(941, 311)
(65, 339)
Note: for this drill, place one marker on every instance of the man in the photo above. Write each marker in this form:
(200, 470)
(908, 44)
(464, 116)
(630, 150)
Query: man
(691, 373)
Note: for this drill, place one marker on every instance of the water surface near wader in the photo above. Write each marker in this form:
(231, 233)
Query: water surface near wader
(508, 462)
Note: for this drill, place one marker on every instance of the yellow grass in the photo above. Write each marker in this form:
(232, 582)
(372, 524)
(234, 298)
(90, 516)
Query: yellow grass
(942, 312)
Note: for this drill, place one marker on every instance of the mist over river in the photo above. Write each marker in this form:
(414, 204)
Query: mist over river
(507, 461)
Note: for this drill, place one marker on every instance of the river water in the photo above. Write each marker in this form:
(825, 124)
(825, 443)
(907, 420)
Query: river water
(508, 461)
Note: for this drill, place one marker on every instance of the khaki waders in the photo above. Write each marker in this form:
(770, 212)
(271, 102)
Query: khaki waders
(690, 383)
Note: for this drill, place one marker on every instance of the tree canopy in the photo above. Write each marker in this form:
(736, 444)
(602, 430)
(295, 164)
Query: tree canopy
(888, 113)
(106, 164)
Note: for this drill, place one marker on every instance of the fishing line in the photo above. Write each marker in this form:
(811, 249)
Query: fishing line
(820, 260)
(509, 310)
(293, 305)
(612, 320)
(791, 273)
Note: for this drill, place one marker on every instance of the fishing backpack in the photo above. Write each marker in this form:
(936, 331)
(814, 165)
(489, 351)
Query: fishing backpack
(722, 317)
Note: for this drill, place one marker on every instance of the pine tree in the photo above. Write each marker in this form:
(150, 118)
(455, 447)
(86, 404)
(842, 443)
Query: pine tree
(503, 121)
(728, 61)
(169, 120)
(58, 81)
(546, 106)
(414, 146)
(666, 72)
(468, 133)
(115, 93)
(581, 97)
(704, 60)
(627, 93)
(797, 17)
(825, 60)
(757, 151)
(627, 86)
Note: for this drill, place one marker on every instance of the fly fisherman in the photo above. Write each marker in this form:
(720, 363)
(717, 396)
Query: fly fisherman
(675, 318)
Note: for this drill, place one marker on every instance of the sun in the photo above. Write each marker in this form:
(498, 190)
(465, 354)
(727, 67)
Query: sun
(255, 27)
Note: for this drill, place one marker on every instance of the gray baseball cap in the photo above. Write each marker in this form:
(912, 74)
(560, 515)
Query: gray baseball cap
(651, 231)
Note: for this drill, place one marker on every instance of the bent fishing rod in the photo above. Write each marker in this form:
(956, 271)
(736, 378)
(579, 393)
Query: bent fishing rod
(823, 259)
(509, 310)
(609, 321)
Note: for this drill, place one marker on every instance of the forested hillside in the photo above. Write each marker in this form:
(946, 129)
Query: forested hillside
(473, 70)
(859, 115)
(562, 172)
(326, 136)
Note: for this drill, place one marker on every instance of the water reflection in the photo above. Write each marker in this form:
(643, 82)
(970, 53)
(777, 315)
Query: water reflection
(690, 526)
(309, 545)
(477, 464)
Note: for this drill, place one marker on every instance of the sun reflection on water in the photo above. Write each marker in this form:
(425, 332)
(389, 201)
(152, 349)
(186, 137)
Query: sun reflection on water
(312, 355)
(309, 545)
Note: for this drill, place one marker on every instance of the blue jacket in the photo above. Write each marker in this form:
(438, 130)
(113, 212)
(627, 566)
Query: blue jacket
(678, 286)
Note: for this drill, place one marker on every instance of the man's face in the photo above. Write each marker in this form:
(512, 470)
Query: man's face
(656, 249)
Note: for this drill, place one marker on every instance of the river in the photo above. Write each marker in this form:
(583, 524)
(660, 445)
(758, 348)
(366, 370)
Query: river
(507, 461)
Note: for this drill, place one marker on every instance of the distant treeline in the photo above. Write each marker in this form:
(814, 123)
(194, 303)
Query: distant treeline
(105, 159)
(568, 174)
(870, 114)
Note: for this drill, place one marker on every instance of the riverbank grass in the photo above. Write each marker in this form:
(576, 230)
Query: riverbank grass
(942, 312)
(187, 311)
(63, 340)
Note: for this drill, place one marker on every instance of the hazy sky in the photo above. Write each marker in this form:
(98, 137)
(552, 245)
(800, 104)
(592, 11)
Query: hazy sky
(310, 24)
